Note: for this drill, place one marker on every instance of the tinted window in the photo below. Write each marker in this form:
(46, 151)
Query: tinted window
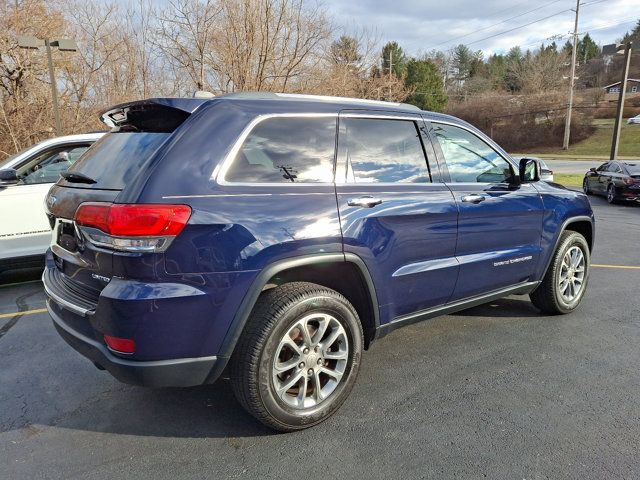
(381, 150)
(603, 167)
(633, 168)
(470, 159)
(47, 166)
(117, 158)
(286, 150)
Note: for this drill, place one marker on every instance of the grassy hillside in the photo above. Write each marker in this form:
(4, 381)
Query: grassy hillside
(599, 144)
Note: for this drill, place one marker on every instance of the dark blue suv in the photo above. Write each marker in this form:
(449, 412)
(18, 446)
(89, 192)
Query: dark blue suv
(270, 238)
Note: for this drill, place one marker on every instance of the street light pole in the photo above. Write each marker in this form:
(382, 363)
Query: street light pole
(620, 110)
(572, 80)
(54, 89)
(64, 45)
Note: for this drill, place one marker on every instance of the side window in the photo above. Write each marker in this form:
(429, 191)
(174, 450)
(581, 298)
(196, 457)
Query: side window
(47, 166)
(602, 168)
(382, 151)
(616, 168)
(470, 159)
(286, 150)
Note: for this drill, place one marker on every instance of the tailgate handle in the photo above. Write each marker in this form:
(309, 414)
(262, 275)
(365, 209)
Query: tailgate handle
(366, 202)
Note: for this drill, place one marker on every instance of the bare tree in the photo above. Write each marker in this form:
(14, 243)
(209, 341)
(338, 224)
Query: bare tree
(269, 44)
(185, 35)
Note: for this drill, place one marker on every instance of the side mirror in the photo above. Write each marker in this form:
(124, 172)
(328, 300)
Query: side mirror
(529, 170)
(592, 169)
(8, 177)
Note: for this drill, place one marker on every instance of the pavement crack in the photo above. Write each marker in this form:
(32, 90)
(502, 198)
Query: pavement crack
(21, 303)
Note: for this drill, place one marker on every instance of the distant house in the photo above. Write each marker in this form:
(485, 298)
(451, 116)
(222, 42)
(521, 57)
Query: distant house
(633, 89)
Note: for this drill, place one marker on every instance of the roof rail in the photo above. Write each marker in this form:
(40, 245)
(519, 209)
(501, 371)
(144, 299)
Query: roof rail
(315, 98)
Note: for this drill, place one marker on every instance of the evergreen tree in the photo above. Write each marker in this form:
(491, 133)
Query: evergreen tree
(425, 78)
(392, 54)
(587, 49)
(345, 51)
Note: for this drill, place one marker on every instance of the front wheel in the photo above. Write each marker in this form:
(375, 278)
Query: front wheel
(565, 282)
(585, 186)
(298, 357)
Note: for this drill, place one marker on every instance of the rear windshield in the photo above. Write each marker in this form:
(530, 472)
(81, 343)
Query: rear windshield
(115, 159)
(634, 168)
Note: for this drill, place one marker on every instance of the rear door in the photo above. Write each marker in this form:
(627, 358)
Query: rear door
(392, 213)
(500, 221)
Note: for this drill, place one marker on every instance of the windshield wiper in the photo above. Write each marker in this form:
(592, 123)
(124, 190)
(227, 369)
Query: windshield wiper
(77, 177)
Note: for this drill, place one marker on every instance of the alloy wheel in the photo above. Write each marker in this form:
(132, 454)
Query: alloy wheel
(572, 272)
(611, 194)
(310, 360)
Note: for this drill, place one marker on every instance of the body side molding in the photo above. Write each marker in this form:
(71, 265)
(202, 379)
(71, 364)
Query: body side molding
(521, 288)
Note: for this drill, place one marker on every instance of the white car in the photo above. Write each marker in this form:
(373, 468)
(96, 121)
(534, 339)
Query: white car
(634, 120)
(25, 179)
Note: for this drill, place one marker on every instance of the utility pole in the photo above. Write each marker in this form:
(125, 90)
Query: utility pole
(390, 70)
(620, 111)
(572, 80)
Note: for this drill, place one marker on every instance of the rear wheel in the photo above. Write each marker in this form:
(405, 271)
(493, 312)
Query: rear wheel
(611, 193)
(565, 282)
(298, 357)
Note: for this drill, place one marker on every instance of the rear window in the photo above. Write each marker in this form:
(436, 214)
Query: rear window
(634, 168)
(115, 159)
(286, 150)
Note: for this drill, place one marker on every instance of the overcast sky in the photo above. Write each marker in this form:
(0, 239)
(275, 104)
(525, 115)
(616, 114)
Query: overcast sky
(420, 25)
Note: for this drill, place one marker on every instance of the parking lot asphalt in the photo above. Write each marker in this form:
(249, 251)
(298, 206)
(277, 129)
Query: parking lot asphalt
(497, 391)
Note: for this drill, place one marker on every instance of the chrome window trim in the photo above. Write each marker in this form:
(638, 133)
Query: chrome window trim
(403, 116)
(221, 170)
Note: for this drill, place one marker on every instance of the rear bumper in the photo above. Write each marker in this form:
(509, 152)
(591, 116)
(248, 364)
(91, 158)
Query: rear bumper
(182, 372)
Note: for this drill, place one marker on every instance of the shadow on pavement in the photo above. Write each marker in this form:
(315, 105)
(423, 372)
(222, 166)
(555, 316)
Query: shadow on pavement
(505, 307)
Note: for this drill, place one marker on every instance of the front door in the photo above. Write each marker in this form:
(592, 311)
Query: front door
(24, 229)
(500, 221)
(393, 215)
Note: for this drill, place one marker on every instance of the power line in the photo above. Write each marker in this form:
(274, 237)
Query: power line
(454, 39)
(559, 36)
(519, 27)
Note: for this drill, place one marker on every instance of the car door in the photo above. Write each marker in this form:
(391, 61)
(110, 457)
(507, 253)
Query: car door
(594, 178)
(393, 215)
(615, 175)
(602, 178)
(25, 229)
(500, 220)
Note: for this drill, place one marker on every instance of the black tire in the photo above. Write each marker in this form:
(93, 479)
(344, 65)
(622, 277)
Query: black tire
(585, 186)
(547, 297)
(611, 193)
(275, 313)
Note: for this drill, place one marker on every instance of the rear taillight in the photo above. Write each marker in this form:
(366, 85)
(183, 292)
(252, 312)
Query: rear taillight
(132, 227)
(628, 181)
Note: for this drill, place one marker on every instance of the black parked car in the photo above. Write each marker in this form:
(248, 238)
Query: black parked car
(618, 181)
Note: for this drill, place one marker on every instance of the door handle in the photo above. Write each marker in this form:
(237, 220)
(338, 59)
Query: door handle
(473, 198)
(365, 202)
